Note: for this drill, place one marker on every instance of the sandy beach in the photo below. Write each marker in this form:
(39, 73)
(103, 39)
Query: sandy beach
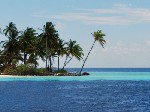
(8, 75)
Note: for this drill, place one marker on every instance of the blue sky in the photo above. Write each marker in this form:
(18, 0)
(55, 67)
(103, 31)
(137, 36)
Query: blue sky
(126, 24)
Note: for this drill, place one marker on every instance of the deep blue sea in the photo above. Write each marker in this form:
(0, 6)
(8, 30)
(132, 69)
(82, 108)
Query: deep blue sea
(105, 90)
(110, 69)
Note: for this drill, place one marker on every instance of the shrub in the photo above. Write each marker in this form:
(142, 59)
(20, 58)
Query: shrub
(10, 70)
(26, 69)
(60, 71)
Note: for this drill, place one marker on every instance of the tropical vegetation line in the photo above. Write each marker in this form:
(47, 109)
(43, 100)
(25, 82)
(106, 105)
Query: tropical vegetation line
(27, 47)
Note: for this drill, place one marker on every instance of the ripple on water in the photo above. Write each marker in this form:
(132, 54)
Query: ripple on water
(75, 96)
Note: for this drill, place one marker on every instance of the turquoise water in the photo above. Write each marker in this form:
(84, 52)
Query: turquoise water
(93, 76)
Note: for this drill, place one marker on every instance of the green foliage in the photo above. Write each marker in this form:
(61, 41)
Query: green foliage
(49, 40)
(26, 69)
(28, 41)
(41, 70)
(9, 70)
(73, 50)
(14, 61)
(28, 46)
(98, 37)
(60, 71)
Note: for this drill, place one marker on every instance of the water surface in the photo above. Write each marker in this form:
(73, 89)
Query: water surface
(93, 76)
(120, 90)
(75, 96)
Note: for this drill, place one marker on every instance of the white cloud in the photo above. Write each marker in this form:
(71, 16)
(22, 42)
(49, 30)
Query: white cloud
(118, 15)
(123, 48)
(120, 54)
(122, 5)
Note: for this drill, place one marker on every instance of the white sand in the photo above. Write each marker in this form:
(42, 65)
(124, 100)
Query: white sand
(3, 76)
(6, 76)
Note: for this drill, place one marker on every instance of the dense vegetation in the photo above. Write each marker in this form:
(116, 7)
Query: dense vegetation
(21, 51)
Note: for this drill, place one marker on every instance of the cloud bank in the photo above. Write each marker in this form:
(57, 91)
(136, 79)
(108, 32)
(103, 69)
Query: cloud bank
(119, 15)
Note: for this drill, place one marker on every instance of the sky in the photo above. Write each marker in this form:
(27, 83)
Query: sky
(126, 24)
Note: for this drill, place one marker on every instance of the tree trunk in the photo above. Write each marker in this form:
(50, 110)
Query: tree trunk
(58, 62)
(87, 57)
(25, 57)
(46, 53)
(65, 62)
(50, 66)
(68, 61)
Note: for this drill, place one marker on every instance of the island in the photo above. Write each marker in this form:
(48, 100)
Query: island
(21, 51)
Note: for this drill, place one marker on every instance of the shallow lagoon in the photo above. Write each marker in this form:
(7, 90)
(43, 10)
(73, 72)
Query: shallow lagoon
(93, 76)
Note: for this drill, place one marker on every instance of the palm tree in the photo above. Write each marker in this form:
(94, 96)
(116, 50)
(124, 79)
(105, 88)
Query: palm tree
(11, 31)
(26, 41)
(98, 37)
(73, 50)
(49, 37)
(12, 46)
(36, 51)
(61, 50)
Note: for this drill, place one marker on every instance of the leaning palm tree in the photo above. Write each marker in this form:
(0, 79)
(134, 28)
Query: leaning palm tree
(98, 37)
(73, 50)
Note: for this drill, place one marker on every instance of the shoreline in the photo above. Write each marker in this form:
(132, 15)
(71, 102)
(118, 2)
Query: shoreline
(50, 74)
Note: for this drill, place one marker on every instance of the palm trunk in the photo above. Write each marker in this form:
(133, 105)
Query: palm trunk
(68, 61)
(65, 62)
(46, 53)
(25, 57)
(35, 64)
(58, 62)
(87, 57)
(50, 64)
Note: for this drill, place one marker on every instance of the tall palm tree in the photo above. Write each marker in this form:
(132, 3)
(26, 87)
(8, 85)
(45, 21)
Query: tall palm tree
(73, 50)
(49, 37)
(27, 42)
(98, 37)
(11, 31)
(12, 46)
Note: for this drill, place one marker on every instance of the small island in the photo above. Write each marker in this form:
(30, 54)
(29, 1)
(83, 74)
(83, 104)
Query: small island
(19, 54)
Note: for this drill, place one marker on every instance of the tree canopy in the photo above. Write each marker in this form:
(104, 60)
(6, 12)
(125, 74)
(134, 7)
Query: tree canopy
(28, 46)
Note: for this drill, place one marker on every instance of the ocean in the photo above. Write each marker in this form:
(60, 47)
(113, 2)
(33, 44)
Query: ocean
(104, 90)
(110, 69)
